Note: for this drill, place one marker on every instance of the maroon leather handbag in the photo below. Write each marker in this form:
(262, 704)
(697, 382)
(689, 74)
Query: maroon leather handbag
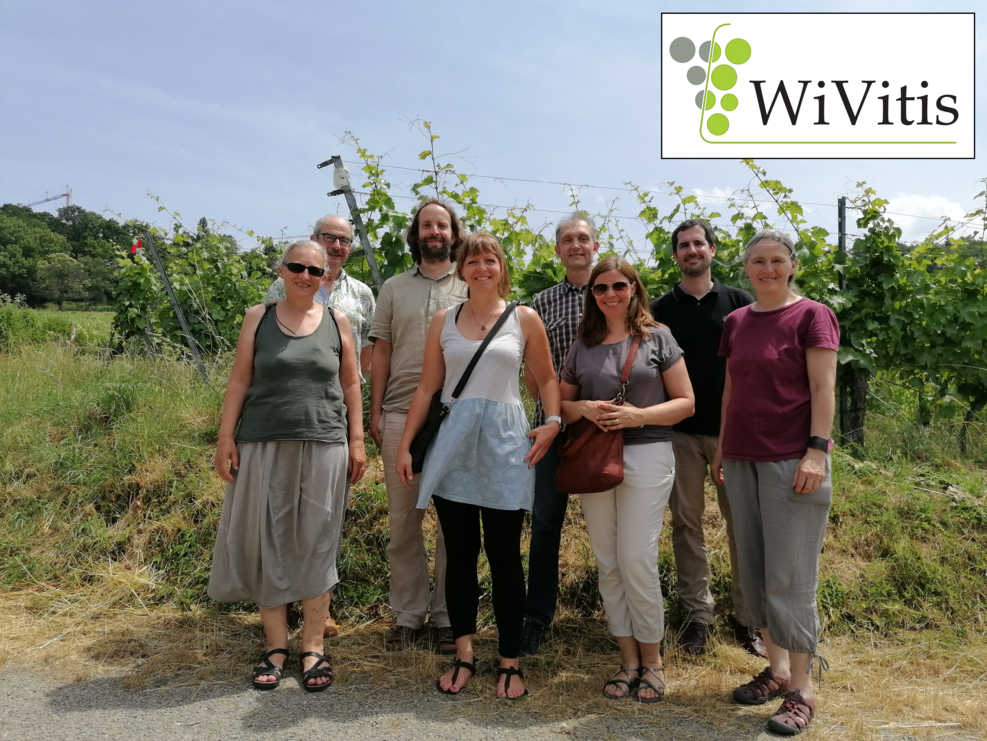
(593, 459)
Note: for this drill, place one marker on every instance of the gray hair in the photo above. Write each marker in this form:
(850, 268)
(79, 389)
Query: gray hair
(305, 243)
(320, 224)
(576, 216)
(773, 235)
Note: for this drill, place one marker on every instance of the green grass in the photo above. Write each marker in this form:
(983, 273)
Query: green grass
(106, 465)
(84, 329)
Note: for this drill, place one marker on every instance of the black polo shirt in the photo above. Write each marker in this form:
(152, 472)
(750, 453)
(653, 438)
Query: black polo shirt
(697, 325)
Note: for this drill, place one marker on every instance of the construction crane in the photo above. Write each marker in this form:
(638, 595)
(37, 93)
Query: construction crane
(67, 195)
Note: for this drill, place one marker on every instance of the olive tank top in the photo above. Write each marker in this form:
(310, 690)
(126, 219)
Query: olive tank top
(295, 392)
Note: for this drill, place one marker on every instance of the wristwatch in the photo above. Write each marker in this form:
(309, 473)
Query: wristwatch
(556, 418)
(819, 443)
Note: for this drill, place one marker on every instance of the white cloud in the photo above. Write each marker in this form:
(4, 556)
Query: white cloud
(917, 215)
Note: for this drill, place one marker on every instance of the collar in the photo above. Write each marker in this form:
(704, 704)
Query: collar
(680, 294)
(569, 288)
(417, 270)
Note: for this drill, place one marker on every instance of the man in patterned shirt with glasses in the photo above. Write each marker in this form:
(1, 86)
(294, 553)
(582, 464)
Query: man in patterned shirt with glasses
(560, 308)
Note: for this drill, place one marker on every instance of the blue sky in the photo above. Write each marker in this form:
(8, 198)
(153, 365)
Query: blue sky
(223, 109)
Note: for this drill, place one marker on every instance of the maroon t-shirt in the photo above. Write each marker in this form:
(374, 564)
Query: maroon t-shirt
(769, 413)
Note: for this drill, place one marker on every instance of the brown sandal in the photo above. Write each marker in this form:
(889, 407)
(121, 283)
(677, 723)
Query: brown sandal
(645, 684)
(793, 716)
(627, 686)
(760, 689)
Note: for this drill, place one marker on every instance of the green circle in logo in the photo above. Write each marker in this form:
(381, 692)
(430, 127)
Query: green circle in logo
(682, 50)
(738, 51)
(717, 124)
(710, 100)
(728, 102)
(724, 77)
(704, 51)
(696, 75)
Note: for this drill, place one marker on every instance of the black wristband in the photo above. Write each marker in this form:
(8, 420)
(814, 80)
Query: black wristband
(819, 443)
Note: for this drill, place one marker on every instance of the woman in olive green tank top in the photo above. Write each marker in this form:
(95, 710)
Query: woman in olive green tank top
(291, 436)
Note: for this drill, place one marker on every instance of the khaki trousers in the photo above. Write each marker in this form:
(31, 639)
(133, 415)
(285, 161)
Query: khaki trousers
(693, 454)
(406, 552)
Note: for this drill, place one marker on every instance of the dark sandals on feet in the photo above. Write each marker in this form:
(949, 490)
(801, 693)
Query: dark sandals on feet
(763, 687)
(456, 666)
(316, 672)
(793, 716)
(626, 686)
(642, 683)
(511, 672)
(268, 669)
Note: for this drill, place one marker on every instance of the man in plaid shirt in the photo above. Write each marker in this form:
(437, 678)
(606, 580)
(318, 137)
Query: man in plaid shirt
(560, 308)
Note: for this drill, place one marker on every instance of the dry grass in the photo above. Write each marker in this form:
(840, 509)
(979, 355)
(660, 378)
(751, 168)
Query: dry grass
(913, 680)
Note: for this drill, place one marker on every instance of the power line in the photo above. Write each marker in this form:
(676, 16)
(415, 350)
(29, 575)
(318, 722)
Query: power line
(427, 171)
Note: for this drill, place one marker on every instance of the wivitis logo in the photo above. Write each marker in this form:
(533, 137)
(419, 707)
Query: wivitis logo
(817, 85)
(722, 77)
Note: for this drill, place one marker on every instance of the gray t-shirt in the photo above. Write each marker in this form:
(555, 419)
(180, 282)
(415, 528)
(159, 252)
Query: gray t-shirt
(596, 370)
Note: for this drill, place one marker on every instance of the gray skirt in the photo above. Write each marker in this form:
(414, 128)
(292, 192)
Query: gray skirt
(282, 523)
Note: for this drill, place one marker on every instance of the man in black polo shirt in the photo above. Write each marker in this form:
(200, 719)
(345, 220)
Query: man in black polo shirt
(694, 312)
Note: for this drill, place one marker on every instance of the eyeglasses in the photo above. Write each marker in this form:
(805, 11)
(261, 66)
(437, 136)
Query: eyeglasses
(621, 286)
(297, 267)
(329, 238)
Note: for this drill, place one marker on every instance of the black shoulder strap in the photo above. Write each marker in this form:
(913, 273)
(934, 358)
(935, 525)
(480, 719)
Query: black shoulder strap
(332, 315)
(479, 351)
(267, 310)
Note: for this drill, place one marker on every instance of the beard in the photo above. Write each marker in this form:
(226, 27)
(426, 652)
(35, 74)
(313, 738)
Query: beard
(435, 252)
(696, 269)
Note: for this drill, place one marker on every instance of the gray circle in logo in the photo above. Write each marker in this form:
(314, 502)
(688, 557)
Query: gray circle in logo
(682, 49)
(699, 99)
(704, 51)
(696, 75)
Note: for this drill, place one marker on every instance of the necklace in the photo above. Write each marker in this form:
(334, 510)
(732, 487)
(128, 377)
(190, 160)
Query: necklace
(483, 324)
(285, 326)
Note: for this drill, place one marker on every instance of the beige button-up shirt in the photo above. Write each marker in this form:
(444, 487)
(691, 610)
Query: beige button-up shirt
(405, 306)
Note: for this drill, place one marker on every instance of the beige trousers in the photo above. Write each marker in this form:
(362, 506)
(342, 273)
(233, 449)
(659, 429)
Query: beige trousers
(693, 454)
(406, 552)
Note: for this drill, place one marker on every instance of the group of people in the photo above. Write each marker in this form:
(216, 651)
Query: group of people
(739, 386)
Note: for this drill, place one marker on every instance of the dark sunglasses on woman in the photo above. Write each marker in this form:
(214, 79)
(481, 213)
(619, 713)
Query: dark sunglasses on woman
(297, 267)
(621, 286)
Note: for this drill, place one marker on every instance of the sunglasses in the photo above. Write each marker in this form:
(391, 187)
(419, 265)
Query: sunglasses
(297, 267)
(621, 286)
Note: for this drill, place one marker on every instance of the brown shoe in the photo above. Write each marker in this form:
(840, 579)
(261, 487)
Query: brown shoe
(760, 689)
(693, 638)
(793, 716)
(331, 630)
(445, 644)
(401, 638)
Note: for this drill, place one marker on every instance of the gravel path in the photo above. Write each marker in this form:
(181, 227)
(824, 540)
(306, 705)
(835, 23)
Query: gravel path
(35, 707)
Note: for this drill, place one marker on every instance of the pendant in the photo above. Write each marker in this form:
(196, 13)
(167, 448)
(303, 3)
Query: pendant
(483, 327)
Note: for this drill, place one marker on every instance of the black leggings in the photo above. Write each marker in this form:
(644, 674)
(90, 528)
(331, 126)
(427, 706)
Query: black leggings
(502, 543)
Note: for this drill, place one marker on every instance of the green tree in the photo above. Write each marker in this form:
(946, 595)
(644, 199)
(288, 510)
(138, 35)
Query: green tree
(61, 278)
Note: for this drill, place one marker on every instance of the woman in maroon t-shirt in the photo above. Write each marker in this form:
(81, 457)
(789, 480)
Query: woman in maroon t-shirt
(773, 457)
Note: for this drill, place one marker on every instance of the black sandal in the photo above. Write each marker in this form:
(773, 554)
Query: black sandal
(510, 671)
(629, 684)
(456, 666)
(267, 669)
(317, 671)
(643, 683)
